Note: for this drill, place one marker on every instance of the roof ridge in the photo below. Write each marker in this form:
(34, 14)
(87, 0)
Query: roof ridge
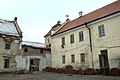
(6, 20)
(94, 10)
(62, 26)
(97, 14)
(17, 27)
(8, 27)
(33, 42)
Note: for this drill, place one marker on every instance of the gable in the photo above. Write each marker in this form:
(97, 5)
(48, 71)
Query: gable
(9, 28)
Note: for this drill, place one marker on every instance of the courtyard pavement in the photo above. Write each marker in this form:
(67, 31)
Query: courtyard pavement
(54, 76)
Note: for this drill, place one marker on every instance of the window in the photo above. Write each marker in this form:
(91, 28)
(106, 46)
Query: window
(81, 38)
(48, 40)
(63, 59)
(7, 45)
(26, 50)
(72, 38)
(41, 51)
(101, 30)
(72, 58)
(6, 63)
(63, 40)
(49, 45)
(82, 57)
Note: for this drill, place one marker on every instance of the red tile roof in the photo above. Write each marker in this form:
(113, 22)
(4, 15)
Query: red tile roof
(54, 28)
(92, 16)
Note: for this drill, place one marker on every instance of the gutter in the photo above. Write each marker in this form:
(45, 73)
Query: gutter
(90, 40)
(89, 36)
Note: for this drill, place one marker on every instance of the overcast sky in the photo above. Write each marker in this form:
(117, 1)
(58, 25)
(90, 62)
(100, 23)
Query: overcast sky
(36, 17)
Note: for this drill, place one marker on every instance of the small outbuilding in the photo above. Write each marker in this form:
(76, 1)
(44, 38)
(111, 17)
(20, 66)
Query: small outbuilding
(35, 56)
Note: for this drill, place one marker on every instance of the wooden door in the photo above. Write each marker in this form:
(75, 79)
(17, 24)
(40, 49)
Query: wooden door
(104, 63)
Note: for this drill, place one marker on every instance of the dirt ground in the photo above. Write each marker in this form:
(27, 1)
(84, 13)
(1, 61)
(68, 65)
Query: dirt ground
(54, 76)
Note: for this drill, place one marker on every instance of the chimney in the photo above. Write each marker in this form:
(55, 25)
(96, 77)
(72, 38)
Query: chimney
(58, 22)
(15, 19)
(67, 16)
(80, 13)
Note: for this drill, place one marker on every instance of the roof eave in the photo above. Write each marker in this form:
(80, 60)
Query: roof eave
(18, 28)
(87, 23)
(45, 48)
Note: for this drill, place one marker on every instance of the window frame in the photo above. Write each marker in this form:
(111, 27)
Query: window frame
(6, 62)
(48, 40)
(41, 51)
(101, 30)
(72, 38)
(82, 57)
(72, 58)
(81, 36)
(63, 40)
(7, 44)
(25, 49)
(63, 59)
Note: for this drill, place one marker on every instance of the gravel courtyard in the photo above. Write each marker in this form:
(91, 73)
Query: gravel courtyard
(54, 76)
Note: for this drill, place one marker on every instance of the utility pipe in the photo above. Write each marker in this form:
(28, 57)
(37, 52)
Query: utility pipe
(90, 40)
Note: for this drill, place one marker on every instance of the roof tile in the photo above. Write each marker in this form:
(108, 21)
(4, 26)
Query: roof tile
(97, 14)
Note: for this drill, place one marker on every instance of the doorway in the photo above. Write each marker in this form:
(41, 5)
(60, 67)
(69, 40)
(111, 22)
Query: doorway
(6, 63)
(103, 61)
(34, 64)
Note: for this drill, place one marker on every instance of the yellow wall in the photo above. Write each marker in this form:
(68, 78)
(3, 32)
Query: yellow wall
(111, 39)
(75, 48)
(110, 42)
